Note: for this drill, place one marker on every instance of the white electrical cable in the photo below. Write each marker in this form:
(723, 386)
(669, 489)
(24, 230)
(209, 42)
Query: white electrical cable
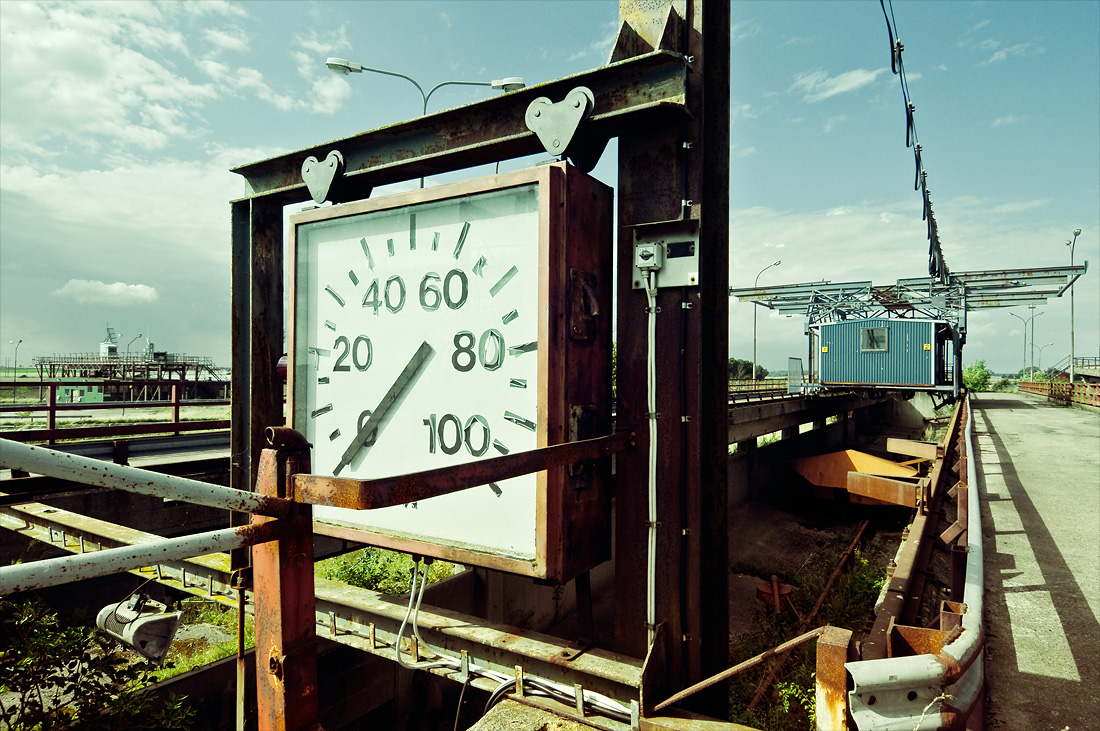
(599, 702)
(401, 630)
(651, 405)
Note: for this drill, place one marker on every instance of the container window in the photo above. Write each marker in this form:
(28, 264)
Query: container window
(873, 339)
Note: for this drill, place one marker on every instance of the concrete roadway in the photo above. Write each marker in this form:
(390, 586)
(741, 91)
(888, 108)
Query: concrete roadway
(1039, 474)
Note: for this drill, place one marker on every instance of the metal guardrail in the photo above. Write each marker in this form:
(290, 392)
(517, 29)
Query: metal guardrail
(52, 408)
(940, 689)
(1078, 393)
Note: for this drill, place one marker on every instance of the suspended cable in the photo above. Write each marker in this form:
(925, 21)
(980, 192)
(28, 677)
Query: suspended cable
(936, 265)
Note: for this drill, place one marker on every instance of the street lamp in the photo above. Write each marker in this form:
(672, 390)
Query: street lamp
(1025, 321)
(1040, 349)
(775, 263)
(129, 344)
(1070, 244)
(343, 66)
(16, 368)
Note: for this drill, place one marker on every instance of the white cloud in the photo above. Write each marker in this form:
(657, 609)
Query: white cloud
(600, 48)
(119, 294)
(1005, 120)
(236, 40)
(324, 45)
(818, 85)
(1024, 50)
(833, 122)
(744, 29)
(1019, 206)
(69, 73)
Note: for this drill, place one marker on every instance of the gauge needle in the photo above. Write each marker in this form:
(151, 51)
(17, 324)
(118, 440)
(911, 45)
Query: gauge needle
(380, 417)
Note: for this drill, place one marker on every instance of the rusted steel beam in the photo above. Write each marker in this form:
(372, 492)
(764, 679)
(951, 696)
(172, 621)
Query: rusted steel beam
(740, 667)
(633, 92)
(116, 430)
(384, 492)
(808, 619)
(898, 591)
(285, 619)
(924, 450)
(876, 489)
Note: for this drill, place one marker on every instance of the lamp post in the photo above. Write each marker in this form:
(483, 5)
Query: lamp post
(343, 66)
(756, 281)
(16, 367)
(1040, 349)
(1071, 244)
(129, 344)
(1025, 321)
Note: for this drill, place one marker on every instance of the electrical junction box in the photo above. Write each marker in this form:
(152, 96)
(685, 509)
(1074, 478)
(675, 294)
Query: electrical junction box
(678, 257)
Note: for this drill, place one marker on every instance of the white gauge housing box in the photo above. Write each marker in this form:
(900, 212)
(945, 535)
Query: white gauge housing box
(499, 290)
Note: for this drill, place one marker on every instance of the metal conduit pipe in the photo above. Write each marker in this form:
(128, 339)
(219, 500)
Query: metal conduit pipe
(87, 471)
(55, 571)
(929, 692)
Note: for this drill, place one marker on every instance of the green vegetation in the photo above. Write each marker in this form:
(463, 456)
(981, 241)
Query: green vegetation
(188, 654)
(789, 704)
(741, 370)
(977, 377)
(73, 677)
(377, 569)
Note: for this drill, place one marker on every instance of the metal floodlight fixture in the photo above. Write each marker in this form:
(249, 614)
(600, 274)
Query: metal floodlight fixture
(1076, 232)
(141, 624)
(511, 83)
(343, 66)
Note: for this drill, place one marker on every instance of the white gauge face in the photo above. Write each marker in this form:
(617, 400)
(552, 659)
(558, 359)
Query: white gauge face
(416, 334)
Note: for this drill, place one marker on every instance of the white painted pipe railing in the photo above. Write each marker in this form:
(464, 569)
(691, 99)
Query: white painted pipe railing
(88, 471)
(93, 564)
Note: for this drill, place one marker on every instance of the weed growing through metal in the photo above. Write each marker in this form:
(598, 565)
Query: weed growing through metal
(185, 655)
(790, 703)
(387, 572)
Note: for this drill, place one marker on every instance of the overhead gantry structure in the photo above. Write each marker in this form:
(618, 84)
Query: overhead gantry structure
(848, 323)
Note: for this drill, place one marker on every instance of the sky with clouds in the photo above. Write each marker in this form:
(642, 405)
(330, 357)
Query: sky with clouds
(119, 122)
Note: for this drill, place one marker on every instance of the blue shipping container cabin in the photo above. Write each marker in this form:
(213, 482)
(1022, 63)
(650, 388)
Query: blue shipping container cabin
(896, 353)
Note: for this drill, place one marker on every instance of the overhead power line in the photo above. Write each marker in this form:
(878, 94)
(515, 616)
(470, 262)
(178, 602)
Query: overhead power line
(937, 267)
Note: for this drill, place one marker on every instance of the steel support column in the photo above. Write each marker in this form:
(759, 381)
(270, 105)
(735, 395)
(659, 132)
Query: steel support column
(661, 169)
(286, 663)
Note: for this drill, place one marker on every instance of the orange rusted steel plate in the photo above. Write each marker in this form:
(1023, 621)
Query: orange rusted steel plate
(878, 490)
(831, 470)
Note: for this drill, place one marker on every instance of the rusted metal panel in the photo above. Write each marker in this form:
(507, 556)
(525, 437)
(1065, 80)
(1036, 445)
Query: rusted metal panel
(285, 619)
(634, 92)
(878, 490)
(834, 648)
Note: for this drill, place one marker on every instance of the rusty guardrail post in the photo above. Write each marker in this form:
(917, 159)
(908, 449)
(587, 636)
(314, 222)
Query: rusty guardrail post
(834, 648)
(286, 663)
(51, 415)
